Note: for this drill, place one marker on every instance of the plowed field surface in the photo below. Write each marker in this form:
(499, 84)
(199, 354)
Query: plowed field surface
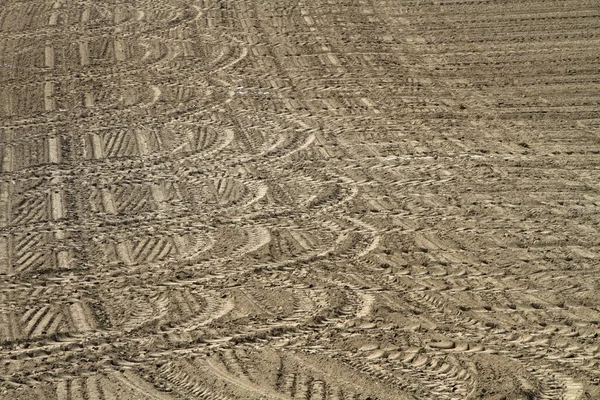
(308, 199)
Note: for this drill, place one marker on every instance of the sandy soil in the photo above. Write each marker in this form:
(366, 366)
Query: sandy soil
(322, 199)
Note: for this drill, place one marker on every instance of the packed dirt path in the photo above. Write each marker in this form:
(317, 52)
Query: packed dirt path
(309, 199)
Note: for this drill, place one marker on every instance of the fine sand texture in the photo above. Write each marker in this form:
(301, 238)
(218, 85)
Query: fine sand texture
(299, 199)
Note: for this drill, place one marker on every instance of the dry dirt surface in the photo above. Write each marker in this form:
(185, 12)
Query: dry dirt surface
(308, 199)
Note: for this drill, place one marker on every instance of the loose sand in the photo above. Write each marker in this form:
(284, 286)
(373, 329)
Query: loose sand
(309, 199)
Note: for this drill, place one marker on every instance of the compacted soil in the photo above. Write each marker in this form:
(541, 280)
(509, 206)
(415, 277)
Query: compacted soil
(307, 199)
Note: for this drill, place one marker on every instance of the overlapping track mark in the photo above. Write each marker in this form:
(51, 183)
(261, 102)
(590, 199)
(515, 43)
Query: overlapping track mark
(430, 365)
(238, 372)
(489, 335)
(112, 385)
(204, 193)
(441, 312)
(50, 205)
(42, 321)
(187, 307)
